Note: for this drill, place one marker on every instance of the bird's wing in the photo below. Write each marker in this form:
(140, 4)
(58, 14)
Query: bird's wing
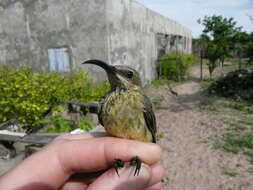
(150, 117)
(101, 104)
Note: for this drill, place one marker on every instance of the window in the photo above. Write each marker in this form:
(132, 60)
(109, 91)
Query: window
(59, 59)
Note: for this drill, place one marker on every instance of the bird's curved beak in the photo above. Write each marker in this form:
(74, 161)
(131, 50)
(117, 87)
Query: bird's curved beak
(107, 67)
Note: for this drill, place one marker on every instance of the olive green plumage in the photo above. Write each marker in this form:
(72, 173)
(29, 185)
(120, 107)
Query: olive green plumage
(126, 112)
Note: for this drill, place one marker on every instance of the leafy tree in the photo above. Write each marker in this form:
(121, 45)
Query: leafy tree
(200, 49)
(249, 50)
(242, 40)
(212, 55)
(219, 34)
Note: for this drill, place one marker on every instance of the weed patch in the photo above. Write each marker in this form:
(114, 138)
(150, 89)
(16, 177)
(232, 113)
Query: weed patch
(236, 143)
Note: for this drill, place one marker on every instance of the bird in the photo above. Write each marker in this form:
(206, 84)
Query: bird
(125, 111)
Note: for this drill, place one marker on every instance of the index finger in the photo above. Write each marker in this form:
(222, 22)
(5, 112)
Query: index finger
(89, 155)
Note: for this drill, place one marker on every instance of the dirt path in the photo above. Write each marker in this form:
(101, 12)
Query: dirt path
(190, 160)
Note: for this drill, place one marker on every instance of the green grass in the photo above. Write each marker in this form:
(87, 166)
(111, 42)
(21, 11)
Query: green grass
(242, 107)
(222, 187)
(237, 127)
(240, 125)
(241, 142)
(160, 136)
(239, 135)
(247, 121)
(249, 153)
(157, 101)
(205, 83)
(236, 143)
(158, 83)
(229, 172)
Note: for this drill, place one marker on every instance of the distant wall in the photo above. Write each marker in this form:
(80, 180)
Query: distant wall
(29, 28)
(135, 34)
(118, 31)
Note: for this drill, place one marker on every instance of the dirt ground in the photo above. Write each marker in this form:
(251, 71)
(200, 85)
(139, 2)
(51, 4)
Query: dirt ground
(190, 160)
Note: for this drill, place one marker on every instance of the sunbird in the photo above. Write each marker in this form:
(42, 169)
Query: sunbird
(126, 112)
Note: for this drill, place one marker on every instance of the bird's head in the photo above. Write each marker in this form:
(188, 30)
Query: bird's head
(120, 76)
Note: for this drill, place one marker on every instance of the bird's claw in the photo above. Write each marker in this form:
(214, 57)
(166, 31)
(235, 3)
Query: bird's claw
(118, 164)
(136, 162)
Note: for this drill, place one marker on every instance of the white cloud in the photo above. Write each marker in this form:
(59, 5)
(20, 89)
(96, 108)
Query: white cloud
(188, 12)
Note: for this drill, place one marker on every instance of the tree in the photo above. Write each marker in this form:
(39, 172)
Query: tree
(199, 49)
(242, 40)
(249, 49)
(219, 34)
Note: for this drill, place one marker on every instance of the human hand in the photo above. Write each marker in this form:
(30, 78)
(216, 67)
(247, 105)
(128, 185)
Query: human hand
(59, 164)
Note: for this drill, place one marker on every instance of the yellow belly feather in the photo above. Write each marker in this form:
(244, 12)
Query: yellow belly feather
(123, 117)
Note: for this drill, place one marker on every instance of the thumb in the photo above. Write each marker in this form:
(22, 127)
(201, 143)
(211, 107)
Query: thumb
(111, 181)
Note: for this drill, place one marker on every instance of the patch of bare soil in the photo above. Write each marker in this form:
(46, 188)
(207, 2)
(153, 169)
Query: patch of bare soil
(189, 158)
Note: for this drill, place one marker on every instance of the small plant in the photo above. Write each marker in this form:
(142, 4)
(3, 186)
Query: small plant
(237, 127)
(85, 124)
(229, 172)
(247, 121)
(174, 65)
(235, 143)
(160, 136)
(159, 82)
(58, 125)
(157, 101)
(249, 153)
(240, 106)
(205, 83)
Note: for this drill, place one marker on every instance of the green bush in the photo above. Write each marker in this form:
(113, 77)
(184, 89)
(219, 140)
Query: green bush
(57, 124)
(25, 95)
(174, 66)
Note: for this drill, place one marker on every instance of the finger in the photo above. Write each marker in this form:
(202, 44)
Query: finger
(157, 186)
(74, 136)
(76, 185)
(84, 135)
(86, 178)
(95, 154)
(127, 180)
(157, 174)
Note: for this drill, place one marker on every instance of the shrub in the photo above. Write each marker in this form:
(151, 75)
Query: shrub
(58, 124)
(25, 95)
(237, 84)
(174, 66)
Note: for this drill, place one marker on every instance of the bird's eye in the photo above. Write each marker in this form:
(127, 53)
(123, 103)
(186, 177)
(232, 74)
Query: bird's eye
(130, 74)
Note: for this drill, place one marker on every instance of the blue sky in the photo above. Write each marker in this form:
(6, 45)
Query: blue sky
(187, 12)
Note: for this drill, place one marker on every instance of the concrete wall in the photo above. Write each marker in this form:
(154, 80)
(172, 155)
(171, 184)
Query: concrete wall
(133, 36)
(28, 28)
(118, 31)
